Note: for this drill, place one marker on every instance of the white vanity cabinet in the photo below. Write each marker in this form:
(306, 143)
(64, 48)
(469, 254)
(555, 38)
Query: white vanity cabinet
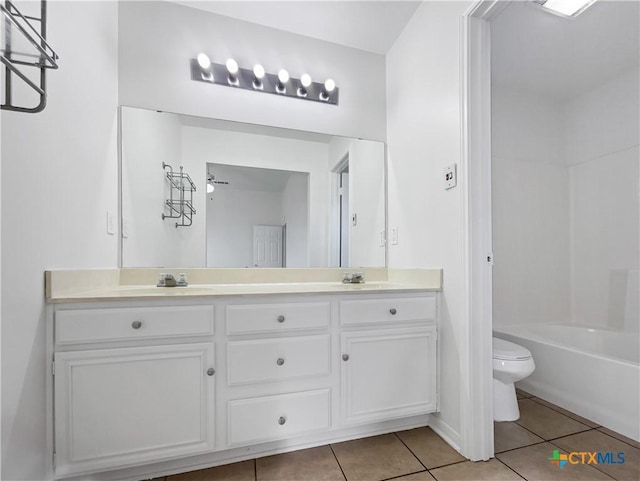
(389, 358)
(118, 406)
(158, 385)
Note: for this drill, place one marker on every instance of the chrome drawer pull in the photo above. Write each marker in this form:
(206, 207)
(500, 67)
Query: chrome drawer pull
(280, 318)
(345, 357)
(211, 371)
(136, 324)
(282, 420)
(280, 361)
(393, 311)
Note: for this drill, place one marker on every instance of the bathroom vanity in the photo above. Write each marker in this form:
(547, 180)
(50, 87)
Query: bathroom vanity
(148, 381)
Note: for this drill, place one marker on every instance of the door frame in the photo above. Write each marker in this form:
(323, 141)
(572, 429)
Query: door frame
(476, 363)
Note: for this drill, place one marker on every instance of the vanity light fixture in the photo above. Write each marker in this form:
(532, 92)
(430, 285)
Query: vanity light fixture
(283, 78)
(205, 67)
(257, 79)
(232, 68)
(565, 8)
(258, 75)
(328, 88)
(305, 82)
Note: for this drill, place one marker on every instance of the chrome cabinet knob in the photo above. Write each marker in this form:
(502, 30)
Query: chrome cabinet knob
(136, 324)
(211, 371)
(280, 361)
(280, 318)
(345, 357)
(282, 420)
(393, 311)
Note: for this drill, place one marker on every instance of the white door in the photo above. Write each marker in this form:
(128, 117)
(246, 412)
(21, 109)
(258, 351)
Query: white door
(267, 246)
(388, 374)
(115, 407)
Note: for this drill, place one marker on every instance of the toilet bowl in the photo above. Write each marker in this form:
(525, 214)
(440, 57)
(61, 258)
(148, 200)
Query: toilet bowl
(511, 363)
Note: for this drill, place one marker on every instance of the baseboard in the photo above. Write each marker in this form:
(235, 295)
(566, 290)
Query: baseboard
(445, 431)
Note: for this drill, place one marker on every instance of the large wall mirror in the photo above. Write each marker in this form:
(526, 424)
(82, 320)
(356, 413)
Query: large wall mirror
(247, 195)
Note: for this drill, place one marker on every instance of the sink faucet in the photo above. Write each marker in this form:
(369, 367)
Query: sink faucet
(355, 278)
(168, 280)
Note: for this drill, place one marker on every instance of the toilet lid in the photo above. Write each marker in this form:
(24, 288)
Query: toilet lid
(509, 351)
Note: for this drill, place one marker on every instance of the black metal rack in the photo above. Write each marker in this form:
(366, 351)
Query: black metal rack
(42, 58)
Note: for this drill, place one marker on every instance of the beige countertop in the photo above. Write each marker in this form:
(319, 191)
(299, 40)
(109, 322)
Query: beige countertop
(137, 284)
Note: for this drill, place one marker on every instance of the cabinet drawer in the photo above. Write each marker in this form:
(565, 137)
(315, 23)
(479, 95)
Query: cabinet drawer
(277, 359)
(275, 417)
(258, 318)
(399, 309)
(103, 325)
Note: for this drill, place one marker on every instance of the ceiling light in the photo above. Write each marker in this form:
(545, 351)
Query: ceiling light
(567, 8)
(203, 60)
(283, 76)
(210, 187)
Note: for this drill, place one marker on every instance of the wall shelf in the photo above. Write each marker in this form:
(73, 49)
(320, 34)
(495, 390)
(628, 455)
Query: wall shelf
(25, 48)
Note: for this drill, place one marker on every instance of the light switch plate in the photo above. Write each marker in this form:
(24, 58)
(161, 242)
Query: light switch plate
(394, 236)
(111, 224)
(450, 177)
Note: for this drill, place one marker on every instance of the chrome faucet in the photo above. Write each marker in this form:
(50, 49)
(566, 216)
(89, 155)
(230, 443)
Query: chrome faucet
(353, 278)
(168, 280)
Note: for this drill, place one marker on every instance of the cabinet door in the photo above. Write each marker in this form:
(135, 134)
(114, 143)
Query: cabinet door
(388, 374)
(121, 407)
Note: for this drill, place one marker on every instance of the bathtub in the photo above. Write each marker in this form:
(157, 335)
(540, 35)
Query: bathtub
(592, 372)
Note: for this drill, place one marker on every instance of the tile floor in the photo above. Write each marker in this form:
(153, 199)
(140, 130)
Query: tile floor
(522, 449)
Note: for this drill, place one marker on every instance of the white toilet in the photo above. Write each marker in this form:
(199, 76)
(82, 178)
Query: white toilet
(511, 363)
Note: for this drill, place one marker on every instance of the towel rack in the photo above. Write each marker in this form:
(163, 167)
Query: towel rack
(180, 201)
(42, 58)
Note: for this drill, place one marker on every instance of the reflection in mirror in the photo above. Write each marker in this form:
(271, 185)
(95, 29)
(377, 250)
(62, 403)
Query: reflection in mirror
(251, 212)
(281, 198)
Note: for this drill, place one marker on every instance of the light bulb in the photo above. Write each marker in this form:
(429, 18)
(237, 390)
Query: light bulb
(329, 85)
(203, 61)
(283, 76)
(232, 66)
(210, 187)
(305, 80)
(258, 71)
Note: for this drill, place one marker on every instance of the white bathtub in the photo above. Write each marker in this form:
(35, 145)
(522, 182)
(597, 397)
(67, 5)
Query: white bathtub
(592, 372)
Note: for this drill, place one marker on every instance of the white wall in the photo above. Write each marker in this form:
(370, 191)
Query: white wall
(530, 189)
(565, 206)
(59, 177)
(423, 129)
(150, 138)
(157, 39)
(249, 150)
(602, 137)
(295, 212)
(231, 215)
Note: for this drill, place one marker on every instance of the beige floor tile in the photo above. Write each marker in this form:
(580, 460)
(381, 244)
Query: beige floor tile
(423, 476)
(244, 471)
(429, 448)
(574, 416)
(375, 458)
(546, 422)
(595, 441)
(492, 470)
(508, 435)
(620, 437)
(533, 464)
(315, 464)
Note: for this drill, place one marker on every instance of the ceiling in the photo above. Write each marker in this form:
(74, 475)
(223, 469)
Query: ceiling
(373, 26)
(250, 178)
(534, 51)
